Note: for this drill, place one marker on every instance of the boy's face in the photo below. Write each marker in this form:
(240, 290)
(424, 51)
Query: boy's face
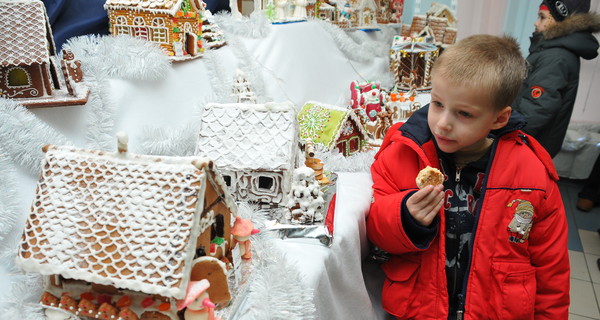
(544, 21)
(461, 117)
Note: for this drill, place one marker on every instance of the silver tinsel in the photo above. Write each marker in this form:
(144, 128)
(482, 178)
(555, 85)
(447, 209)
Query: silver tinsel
(336, 162)
(9, 213)
(22, 135)
(180, 141)
(255, 26)
(104, 57)
(349, 47)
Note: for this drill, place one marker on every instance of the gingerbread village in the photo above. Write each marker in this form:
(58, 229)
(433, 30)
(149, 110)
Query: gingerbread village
(118, 235)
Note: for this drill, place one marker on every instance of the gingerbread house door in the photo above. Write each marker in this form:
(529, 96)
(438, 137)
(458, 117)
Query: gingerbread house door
(190, 44)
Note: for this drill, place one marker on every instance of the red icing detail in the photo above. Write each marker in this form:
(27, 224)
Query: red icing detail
(87, 296)
(148, 302)
(124, 301)
(102, 298)
(164, 307)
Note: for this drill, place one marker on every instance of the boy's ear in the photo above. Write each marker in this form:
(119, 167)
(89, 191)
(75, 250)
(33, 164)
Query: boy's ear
(502, 117)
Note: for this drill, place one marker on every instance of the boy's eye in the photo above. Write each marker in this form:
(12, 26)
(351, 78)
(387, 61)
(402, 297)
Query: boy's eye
(465, 114)
(437, 104)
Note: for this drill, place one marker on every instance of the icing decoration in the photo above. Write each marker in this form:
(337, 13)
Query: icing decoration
(306, 198)
(324, 125)
(255, 173)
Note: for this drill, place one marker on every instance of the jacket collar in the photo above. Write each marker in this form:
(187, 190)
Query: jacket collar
(417, 129)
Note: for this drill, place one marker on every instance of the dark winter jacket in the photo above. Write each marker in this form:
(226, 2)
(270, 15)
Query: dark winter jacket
(508, 276)
(548, 93)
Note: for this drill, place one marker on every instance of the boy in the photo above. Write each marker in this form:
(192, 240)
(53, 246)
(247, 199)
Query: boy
(563, 33)
(491, 242)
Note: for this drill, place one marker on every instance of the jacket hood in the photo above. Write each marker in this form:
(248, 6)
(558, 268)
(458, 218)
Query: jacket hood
(417, 129)
(580, 28)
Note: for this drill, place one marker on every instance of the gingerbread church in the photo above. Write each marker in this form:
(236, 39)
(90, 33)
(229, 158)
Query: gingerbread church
(120, 236)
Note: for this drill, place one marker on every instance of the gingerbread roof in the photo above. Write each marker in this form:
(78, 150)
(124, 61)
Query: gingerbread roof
(324, 123)
(249, 136)
(157, 6)
(116, 219)
(25, 35)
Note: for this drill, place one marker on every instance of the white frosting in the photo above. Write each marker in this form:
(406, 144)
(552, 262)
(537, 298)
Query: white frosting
(131, 222)
(306, 193)
(250, 141)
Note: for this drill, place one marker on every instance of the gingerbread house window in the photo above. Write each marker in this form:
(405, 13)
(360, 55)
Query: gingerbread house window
(140, 30)
(266, 183)
(227, 180)
(17, 78)
(159, 30)
(121, 26)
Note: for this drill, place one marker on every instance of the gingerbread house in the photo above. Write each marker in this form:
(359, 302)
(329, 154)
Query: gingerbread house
(332, 127)
(438, 28)
(30, 70)
(118, 233)
(174, 25)
(255, 145)
(441, 10)
(411, 60)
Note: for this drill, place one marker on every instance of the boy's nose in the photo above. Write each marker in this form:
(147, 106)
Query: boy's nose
(443, 122)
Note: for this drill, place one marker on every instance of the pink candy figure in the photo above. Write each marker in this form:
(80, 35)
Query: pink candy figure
(241, 231)
(197, 302)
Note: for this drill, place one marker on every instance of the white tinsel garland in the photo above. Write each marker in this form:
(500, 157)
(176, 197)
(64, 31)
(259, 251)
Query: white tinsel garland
(336, 162)
(221, 87)
(275, 289)
(9, 213)
(375, 48)
(247, 64)
(105, 57)
(256, 26)
(180, 141)
(350, 48)
(22, 135)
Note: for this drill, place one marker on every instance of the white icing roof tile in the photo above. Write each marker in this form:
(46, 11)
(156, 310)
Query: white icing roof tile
(249, 136)
(126, 221)
(24, 29)
(158, 6)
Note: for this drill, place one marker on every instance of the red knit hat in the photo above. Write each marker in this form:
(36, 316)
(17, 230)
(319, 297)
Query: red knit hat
(560, 9)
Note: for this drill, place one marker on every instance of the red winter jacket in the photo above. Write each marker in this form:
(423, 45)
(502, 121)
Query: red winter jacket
(506, 280)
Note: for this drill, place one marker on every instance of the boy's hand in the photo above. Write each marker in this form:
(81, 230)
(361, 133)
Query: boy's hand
(425, 204)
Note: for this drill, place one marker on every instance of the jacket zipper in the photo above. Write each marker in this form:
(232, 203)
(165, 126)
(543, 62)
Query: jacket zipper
(457, 178)
(462, 297)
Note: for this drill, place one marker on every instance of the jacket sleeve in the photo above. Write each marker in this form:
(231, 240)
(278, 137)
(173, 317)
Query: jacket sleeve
(549, 255)
(550, 75)
(391, 184)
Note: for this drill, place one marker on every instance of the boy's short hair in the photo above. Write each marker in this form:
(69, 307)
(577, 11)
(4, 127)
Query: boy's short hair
(484, 62)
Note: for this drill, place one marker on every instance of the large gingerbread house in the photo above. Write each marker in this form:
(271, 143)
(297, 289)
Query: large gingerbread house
(175, 25)
(30, 70)
(332, 127)
(118, 234)
(255, 145)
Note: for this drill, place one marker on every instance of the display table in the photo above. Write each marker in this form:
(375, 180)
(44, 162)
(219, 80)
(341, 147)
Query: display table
(295, 62)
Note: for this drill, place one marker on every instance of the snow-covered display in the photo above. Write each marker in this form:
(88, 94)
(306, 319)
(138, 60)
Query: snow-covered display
(305, 200)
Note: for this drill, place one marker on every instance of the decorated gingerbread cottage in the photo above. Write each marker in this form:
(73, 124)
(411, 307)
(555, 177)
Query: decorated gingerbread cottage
(255, 146)
(30, 70)
(411, 60)
(175, 25)
(332, 127)
(120, 236)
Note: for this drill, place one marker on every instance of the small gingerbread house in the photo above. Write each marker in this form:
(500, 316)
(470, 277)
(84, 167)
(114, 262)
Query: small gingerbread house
(255, 145)
(175, 25)
(411, 60)
(30, 70)
(118, 233)
(332, 127)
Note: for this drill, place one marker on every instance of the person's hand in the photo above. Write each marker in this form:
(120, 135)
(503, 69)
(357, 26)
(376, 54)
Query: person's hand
(425, 204)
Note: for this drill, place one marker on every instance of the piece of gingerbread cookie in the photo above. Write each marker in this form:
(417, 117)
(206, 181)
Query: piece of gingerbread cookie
(429, 176)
